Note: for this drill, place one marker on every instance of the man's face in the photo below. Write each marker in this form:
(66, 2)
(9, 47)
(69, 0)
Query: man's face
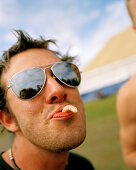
(34, 116)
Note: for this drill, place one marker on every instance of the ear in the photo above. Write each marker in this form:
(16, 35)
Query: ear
(8, 121)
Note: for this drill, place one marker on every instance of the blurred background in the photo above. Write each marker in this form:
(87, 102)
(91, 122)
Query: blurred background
(100, 33)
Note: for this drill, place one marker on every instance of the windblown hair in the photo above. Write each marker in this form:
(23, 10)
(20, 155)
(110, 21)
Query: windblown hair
(24, 42)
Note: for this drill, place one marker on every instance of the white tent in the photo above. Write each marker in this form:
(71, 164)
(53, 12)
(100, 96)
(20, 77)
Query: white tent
(108, 75)
(113, 65)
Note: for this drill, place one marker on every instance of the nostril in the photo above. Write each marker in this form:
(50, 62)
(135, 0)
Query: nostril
(54, 98)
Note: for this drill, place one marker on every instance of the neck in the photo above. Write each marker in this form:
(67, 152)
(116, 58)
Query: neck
(28, 156)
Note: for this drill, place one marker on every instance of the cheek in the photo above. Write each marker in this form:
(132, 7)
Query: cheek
(23, 107)
(27, 114)
(74, 96)
(77, 101)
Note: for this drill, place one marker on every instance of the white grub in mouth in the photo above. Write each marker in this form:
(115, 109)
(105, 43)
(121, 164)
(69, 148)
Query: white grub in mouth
(69, 108)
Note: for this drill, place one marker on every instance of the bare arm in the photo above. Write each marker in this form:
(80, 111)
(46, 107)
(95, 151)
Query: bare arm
(126, 108)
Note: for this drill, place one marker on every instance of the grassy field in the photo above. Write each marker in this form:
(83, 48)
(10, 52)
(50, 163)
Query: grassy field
(102, 145)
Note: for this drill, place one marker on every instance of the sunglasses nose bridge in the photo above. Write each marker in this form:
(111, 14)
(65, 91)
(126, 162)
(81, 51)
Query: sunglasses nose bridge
(47, 67)
(44, 69)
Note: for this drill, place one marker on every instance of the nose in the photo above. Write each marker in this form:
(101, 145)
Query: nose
(55, 92)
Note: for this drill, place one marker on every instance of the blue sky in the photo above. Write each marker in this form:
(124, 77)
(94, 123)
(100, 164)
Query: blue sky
(83, 26)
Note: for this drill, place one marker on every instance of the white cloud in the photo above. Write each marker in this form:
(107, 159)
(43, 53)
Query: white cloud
(7, 12)
(115, 21)
(65, 26)
(60, 25)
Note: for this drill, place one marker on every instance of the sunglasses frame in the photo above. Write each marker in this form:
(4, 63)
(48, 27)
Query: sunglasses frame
(44, 70)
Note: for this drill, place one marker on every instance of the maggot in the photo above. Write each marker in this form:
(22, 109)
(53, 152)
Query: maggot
(69, 108)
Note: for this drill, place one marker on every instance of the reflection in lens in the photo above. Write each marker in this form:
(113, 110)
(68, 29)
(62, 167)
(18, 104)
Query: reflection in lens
(71, 82)
(68, 73)
(28, 83)
(29, 93)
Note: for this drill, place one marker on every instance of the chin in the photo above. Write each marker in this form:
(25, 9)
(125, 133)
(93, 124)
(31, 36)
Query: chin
(69, 145)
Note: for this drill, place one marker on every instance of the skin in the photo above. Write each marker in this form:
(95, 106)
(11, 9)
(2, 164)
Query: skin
(41, 142)
(126, 109)
(131, 4)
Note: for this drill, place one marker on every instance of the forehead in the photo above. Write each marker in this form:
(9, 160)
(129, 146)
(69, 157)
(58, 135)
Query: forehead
(32, 57)
(27, 59)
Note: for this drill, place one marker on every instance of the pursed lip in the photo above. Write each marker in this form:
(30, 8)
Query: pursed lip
(58, 114)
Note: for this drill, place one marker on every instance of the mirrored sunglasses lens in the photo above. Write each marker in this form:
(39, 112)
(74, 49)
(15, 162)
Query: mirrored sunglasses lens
(28, 83)
(67, 73)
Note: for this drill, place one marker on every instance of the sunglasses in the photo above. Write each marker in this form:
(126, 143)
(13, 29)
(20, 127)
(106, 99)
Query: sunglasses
(30, 82)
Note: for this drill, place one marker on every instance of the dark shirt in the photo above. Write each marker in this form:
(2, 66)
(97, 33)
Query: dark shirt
(75, 162)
